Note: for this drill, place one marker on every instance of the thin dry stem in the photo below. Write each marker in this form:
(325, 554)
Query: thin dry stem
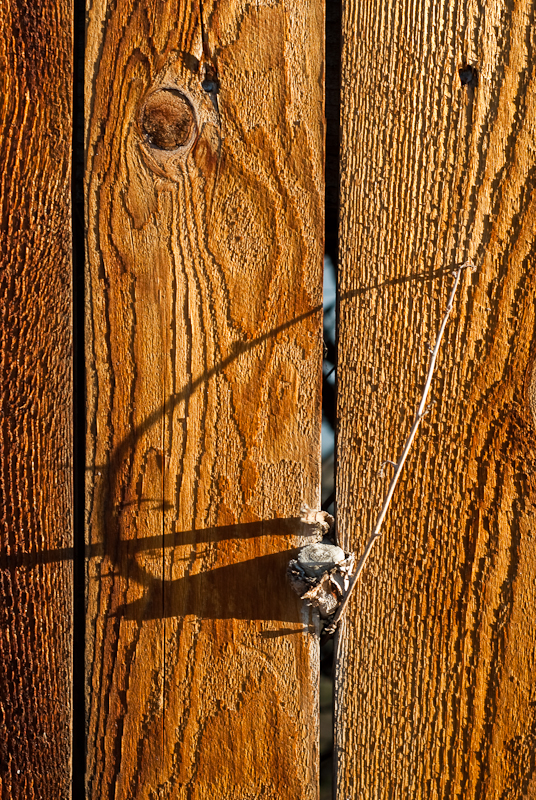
(421, 412)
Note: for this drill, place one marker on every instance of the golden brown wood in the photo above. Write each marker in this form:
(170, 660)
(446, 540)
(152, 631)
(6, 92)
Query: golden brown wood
(436, 679)
(205, 206)
(35, 397)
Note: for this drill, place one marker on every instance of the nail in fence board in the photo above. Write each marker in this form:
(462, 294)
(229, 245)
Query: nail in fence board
(436, 679)
(204, 237)
(36, 404)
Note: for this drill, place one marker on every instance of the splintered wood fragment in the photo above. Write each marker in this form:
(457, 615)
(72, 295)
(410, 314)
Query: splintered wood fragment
(399, 465)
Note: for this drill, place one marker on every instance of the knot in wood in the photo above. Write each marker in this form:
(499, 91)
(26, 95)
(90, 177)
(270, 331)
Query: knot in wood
(168, 119)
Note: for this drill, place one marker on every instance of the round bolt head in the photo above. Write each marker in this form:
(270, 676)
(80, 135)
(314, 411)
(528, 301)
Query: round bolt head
(315, 559)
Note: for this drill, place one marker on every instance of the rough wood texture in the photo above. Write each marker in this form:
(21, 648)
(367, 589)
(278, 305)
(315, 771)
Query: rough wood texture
(35, 398)
(436, 679)
(205, 198)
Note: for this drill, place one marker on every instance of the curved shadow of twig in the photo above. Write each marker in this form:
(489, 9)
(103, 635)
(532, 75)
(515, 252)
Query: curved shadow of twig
(417, 277)
(252, 589)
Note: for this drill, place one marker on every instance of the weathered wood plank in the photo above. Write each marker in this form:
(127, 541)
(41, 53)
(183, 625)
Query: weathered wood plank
(436, 679)
(36, 403)
(205, 212)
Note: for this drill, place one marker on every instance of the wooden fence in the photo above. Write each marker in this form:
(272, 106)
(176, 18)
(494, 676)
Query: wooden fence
(157, 651)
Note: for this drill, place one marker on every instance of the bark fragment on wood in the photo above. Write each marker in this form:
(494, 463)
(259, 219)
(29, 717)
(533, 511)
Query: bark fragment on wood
(436, 660)
(35, 399)
(204, 352)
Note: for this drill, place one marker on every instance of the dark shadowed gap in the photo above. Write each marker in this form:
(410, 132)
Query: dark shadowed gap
(77, 195)
(332, 111)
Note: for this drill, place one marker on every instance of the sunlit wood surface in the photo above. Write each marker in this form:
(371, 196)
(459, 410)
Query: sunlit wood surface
(204, 240)
(436, 680)
(36, 555)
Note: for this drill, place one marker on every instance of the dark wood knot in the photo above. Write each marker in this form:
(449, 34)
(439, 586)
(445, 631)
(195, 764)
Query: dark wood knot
(168, 119)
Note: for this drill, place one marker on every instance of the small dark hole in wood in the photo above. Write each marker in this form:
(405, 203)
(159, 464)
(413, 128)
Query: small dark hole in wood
(468, 75)
(210, 82)
(168, 119)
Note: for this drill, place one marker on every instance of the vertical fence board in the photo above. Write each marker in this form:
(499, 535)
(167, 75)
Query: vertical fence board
(36, 403)
(205, 211)
(436, 679)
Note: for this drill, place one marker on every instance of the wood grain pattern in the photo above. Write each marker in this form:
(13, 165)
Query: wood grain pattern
(36, 403)
(436, 679)
(205, 215)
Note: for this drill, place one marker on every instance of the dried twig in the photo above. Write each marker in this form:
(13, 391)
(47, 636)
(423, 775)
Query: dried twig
(421, 412)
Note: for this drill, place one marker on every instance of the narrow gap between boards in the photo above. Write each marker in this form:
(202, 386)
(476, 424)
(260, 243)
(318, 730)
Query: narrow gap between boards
(78, 743)
(328, 490)
(329, 374)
